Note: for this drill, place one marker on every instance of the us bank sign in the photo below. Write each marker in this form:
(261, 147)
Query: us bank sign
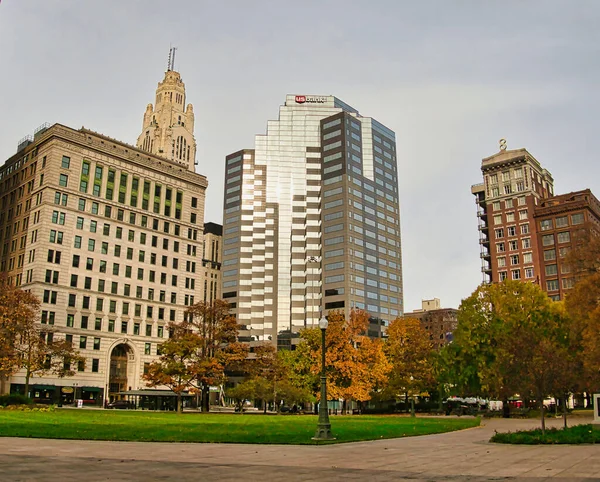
(304, 99)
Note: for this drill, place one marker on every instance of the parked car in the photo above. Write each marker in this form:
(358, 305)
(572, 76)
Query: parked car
(122, 404)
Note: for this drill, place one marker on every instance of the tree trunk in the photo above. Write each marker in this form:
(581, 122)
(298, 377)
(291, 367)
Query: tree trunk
(179, 407)
(205, 398)
(565, 411)
(505, 408)
(412, 406)
(27, 377)
(543, 420)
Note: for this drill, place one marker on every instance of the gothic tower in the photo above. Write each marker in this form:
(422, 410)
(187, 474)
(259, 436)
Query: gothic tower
(168, 129)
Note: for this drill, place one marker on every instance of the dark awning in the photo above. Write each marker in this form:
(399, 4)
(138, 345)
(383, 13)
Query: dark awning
(44, 387)
(154, 393)
(91, 389)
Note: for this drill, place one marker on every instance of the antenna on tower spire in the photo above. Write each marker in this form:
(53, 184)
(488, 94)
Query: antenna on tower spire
(171, 61)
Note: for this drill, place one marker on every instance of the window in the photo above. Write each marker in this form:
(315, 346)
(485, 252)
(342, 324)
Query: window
(498, 219)
(524, 228)
(548, 240)
(66, 162)
(508, 204)
(136, 328)
(523, 214)
(511, 230)
(96, 343)
(502, 262)
(527, 258)
(499, 232)
(549, 254)
(502, 275)
(510, 217)
(568, 283)
(562, 252)
(526, 242)
(63, 180)
(577, 218)
(513, 245)
(551, 269)
(500, 247)
(95, 364)
(516, 274)
(552, 285)
(82, 342)
(111, 325)
(514, 259)
(98, 324)
(123, 327)
(546, 224)
(528, 272)
(562, 221)
(564, 237)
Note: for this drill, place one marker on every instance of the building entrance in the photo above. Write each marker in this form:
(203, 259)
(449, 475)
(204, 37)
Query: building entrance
(121, 366)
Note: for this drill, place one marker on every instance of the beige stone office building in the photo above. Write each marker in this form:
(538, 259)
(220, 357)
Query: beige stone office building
(110, 237)
(312, 222)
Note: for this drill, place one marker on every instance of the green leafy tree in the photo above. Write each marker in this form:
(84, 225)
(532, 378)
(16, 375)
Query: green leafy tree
(511, 338)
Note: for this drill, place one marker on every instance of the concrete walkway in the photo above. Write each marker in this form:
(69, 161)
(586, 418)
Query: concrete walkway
(456, 456)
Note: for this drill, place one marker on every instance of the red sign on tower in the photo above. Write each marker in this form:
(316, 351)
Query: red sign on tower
(300, 99)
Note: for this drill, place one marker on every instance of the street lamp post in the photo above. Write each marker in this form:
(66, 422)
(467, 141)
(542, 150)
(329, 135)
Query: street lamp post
(323, 427)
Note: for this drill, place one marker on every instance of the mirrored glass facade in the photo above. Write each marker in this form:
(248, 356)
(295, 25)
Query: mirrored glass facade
(312, 222)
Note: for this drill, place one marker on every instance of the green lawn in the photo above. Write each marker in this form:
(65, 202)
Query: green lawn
(215, 428)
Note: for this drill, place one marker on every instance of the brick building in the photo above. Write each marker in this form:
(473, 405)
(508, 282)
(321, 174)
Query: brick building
(525, 230)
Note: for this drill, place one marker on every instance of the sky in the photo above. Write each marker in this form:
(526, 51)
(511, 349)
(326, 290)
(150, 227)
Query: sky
(450, 77)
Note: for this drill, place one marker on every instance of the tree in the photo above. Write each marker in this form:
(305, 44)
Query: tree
(409, 351)
(582, 303)
(176, 367)
(198, 352)
(355, 363)
(511, 338)
(28, 345)
(219, 349)
(241, 392)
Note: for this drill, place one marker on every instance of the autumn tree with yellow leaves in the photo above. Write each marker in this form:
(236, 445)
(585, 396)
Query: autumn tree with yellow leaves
(355, 364)
(409, 350)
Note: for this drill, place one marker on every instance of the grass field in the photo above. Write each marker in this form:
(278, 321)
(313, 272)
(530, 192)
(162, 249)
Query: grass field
(215, 428)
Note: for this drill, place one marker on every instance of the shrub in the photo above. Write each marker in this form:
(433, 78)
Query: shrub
(15, 399)
(579, 434)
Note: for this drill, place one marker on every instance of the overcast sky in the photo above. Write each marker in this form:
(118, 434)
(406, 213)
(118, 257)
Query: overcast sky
(449, 77)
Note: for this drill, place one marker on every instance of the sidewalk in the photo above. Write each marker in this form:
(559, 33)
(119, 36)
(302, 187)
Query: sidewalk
(457, 456)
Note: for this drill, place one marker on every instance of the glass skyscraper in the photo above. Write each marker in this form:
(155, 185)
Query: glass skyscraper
(312, 222)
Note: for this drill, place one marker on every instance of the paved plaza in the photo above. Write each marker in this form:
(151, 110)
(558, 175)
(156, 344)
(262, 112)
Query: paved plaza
(456, 456)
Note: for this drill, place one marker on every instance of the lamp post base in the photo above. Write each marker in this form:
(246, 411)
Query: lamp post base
(323, 432)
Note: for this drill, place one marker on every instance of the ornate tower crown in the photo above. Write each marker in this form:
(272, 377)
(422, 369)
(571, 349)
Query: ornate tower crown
(168, 128)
